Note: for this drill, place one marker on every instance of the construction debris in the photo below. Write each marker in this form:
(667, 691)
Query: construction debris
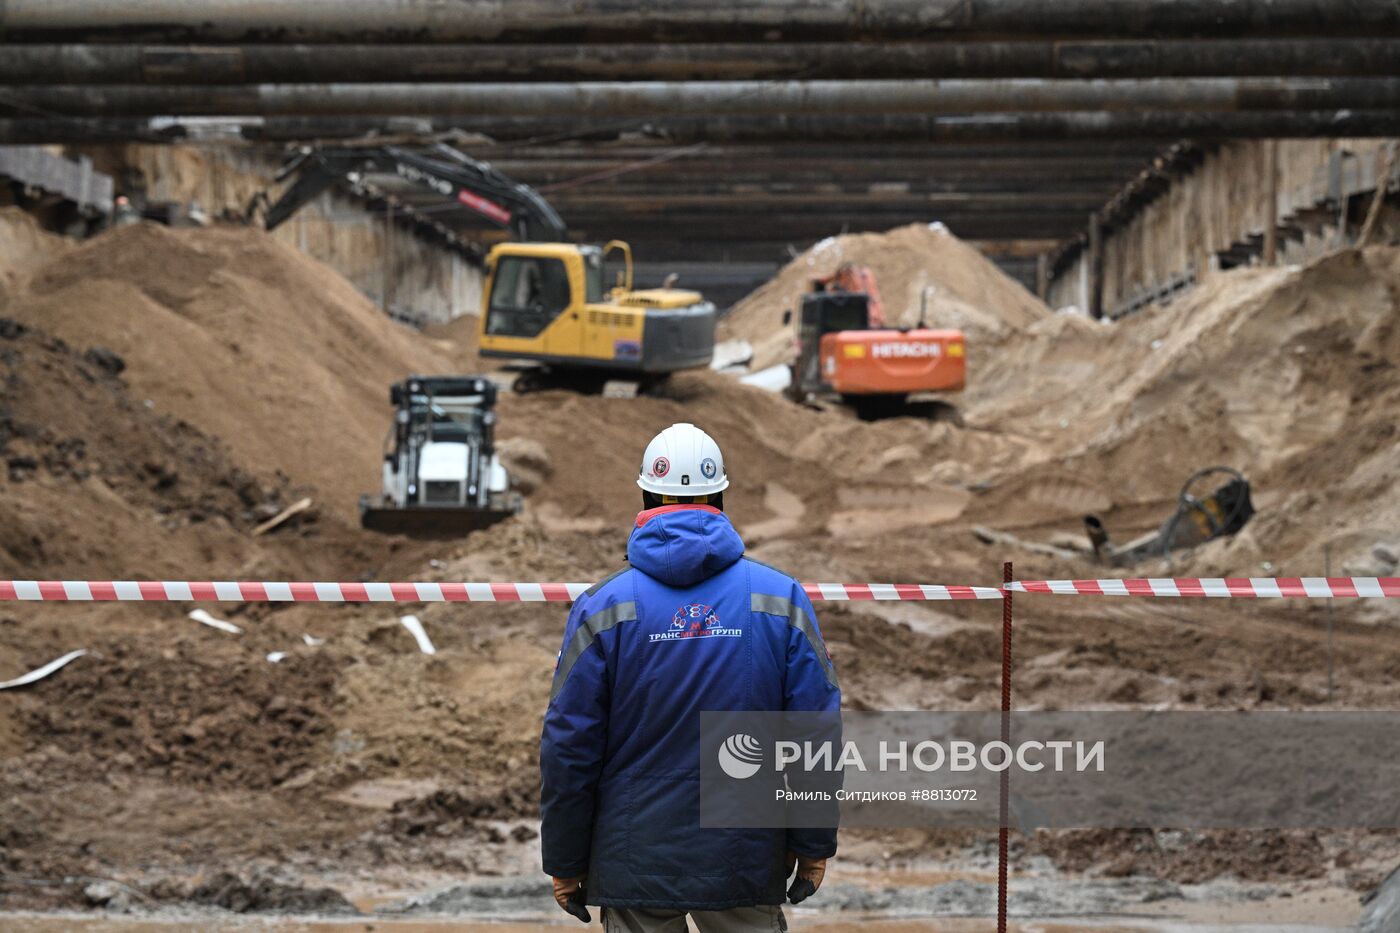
(39, 673)
(420, 635)
(1002, 539)
(204, 618)
(1195, 521)
(276, 521)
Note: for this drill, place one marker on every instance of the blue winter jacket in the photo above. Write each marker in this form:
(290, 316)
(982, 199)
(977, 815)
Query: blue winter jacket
(620, 755)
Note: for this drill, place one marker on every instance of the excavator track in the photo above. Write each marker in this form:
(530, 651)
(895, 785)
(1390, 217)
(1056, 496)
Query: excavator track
(586, 382)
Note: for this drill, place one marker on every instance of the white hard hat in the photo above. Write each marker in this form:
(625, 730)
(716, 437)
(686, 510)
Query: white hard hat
(683, 461)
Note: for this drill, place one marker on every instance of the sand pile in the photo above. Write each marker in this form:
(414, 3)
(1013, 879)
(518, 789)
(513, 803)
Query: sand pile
(24, 247)
(243, 337)
(97, 483)
(968, 290)
(1287, 374)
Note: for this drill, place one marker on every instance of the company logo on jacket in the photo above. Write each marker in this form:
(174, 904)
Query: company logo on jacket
(695, 620)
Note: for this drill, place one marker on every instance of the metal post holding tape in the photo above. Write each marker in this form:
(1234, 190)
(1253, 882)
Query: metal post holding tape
(1003, 828)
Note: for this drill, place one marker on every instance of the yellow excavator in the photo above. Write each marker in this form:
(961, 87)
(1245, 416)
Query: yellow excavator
(546, 305)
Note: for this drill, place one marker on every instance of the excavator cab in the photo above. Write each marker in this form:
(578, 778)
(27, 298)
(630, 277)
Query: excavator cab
(822, 313)
(845, 347)
(546, 305)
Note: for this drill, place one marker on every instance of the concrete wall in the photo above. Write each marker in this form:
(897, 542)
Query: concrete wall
(1222, 203)
(427, 283)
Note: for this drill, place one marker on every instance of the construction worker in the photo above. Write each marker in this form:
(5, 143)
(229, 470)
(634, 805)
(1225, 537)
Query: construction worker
(620, 756)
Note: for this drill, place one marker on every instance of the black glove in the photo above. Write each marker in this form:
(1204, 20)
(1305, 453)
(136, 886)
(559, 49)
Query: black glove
(569, 895)
(810, 872)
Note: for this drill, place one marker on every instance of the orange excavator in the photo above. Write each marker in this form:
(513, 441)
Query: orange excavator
(846, 347)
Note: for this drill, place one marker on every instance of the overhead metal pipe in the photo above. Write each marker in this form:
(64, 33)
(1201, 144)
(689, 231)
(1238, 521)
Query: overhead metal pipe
(664, 20)
(1080, 152)
(692, 98)
(1022, 129)
(658, 200)
(359, 64)
(816, 226)
(921, 180)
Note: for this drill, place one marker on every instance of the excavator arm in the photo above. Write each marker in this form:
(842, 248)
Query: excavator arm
(454, 175)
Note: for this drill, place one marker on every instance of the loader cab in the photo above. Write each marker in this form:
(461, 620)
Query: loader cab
(440, 451)
(441, 475)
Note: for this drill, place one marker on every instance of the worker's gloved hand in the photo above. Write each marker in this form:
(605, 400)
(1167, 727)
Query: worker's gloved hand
(810, 872)
(568, 894)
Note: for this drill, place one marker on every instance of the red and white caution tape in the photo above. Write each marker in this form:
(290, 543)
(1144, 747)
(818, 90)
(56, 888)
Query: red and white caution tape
(154, 591)
(907, 591)
(1228, 587)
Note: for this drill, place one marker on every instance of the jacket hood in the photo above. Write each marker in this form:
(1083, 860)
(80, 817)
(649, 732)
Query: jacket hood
(683, 545)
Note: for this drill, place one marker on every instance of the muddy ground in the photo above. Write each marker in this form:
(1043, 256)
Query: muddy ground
(176, 772)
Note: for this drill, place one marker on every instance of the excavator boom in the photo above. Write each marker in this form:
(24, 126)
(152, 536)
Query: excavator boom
(470, 182)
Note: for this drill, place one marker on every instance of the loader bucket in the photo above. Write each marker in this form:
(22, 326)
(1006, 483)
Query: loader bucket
(429, 522)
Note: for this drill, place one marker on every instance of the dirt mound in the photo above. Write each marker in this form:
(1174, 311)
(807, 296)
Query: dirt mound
(99, 483)
(966, 290)
(247, 724)
(267, 895)
(24, 247)
(457, 810)
(459, 339)
(1187, 857)
(1287, 374)
(242, 336)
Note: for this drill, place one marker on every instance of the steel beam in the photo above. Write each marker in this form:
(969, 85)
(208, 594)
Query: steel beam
(358, 64)
(822, 202)
(634, 149)
(1099, 188)
(778, 194)
(721, 211)
(660, 252)
(1007, 223)
(1027, 128)
(789, 230)
(850, 172)
(848, 169)
(597, 20)
(731, 98)
(1031, 130)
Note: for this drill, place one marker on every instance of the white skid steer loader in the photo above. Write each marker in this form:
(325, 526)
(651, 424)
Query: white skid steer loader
(442, 477)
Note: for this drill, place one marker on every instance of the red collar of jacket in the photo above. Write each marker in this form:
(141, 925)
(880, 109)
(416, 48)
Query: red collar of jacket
(649, 514)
